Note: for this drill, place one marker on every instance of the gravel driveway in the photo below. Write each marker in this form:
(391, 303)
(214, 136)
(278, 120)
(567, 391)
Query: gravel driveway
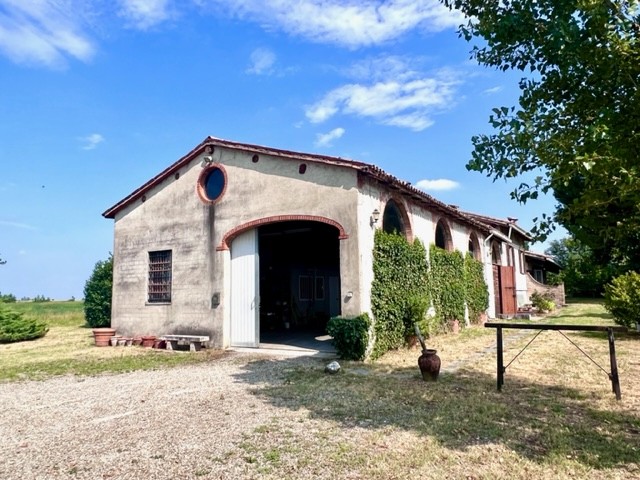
(146, 424)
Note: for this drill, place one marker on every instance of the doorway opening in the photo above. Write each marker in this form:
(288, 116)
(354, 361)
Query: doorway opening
(299, 282)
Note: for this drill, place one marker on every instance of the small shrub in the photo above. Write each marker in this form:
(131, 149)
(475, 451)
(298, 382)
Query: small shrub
(97, 294)
(622, 299)
(14, 327)
(544, 302)
(350, 336)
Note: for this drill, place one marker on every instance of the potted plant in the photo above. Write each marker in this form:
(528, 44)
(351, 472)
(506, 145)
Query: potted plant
(417, 306)
(429, 361)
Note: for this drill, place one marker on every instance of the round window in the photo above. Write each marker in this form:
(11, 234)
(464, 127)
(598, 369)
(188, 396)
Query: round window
(212, 184)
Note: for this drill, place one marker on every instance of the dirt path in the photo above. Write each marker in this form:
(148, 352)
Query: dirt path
(146, 424)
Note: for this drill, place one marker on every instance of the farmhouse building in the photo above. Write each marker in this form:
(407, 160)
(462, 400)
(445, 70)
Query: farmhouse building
(236, 241)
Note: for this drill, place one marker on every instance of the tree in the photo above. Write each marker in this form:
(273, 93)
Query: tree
(2, 262)
(97, 294)
(581, 273)
(576, 130)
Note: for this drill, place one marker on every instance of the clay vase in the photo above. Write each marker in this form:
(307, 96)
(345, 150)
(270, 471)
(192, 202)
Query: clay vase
(102, 336)
(148, 340)
(429, 364)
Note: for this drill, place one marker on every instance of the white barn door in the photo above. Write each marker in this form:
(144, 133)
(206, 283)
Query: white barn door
(245, 290)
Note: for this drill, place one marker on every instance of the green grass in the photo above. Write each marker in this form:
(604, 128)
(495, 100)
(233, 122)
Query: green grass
(68, 348)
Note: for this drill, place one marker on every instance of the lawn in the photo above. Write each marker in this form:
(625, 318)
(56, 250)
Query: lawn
(556, 417)
(68, 348)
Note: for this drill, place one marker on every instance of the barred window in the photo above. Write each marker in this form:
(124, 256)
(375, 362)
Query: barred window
(305, 287)
(160, 277)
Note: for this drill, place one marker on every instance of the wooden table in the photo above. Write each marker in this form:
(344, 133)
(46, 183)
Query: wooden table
(613, 375)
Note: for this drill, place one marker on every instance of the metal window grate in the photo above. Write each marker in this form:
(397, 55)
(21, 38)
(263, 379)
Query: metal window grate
(159, 277)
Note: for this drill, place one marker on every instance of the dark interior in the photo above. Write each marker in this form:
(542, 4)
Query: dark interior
(299, 278)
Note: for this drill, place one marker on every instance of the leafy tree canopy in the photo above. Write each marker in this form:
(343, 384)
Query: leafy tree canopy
(581, 273)
(576, 130)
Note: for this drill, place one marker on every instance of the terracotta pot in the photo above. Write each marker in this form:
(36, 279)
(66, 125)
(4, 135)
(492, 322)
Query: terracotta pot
(148, 340)
(102, 336)
(429, 364)
(137, 341)
(454, 325)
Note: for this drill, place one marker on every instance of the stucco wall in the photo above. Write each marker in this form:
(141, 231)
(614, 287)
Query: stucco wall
(173, 217)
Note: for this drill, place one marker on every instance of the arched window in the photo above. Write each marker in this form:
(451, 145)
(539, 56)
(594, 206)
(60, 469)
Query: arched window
(392, 219)
(474, 246)
(443, 235)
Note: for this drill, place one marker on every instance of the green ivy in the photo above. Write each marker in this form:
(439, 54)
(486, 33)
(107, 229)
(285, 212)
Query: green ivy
(476, 291)
(350, 336)
(447, 281)
(400, 274)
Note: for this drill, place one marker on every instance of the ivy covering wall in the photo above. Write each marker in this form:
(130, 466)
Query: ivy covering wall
(476, 291)
(403, 278)
(400, 271)
(447, 283)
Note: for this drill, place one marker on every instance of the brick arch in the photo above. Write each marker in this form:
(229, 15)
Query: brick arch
(401, 207)
(443, 225)
(235, 231)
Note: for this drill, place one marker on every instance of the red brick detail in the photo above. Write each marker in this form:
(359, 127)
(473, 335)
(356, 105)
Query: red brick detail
(402, 209)
(234, 232)
(200, 187)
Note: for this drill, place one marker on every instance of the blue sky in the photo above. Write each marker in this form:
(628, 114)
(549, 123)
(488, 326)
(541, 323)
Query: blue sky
(98, 96)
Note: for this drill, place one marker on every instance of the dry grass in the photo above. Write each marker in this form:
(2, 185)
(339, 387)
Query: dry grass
(555, 418)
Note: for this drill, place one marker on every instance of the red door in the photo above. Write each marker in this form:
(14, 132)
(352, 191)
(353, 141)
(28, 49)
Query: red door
(508, 290)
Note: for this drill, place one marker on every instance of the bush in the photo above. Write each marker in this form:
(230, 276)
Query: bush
(14, 327)
(544, 302)
(97, 295)
(622, 299)
(350, 336)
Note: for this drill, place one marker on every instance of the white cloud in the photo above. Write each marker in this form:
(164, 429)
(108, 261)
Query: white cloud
(326, 139)
(350, 23)
(441, 184)
(44, 32)
(91, 141)
(144, 14)
(401, 98)
(493, 90)
(17, 225)
(262, 61)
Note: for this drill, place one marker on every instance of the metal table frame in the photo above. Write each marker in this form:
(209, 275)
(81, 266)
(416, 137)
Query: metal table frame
(613, 375)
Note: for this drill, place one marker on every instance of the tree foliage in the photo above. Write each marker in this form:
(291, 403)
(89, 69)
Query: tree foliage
(575, 131)
(581, 273)
(97, 294)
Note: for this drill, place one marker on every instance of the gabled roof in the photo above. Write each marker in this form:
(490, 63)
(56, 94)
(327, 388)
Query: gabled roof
(500, 223)
(366, 169)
